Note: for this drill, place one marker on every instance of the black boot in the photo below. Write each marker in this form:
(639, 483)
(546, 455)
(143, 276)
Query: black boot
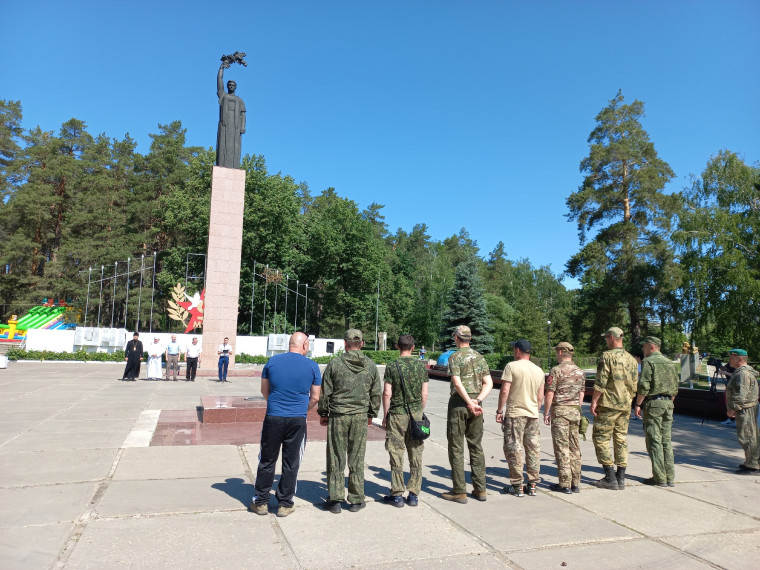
(609, 481)
(620, 476)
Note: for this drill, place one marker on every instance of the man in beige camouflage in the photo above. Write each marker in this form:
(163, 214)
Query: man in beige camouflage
(614, 388)
(658, 387)
(520, 398)
(350, 397)
(470, 384)
(398, 402)
(741, 403)
(562, 410)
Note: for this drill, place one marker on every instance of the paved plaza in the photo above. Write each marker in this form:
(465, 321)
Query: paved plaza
(82, 487)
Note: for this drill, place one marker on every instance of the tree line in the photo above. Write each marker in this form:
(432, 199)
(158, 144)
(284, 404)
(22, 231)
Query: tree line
(652, 262)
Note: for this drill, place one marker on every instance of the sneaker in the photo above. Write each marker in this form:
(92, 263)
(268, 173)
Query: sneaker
(480, 496)
(728, 422)
(395, 500)
(260, 509)
(455, 497)
(575, 489)
(670, 484)
(744, 470)
(654, 483)
(412, 500)
(514, 490)
(559, 489)
(333, 507)
(356, 507)
(532, 490)
(284, 511)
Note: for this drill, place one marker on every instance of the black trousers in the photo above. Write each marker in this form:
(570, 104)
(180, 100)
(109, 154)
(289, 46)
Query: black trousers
(132, 369)
(290, 434)
(192, 368)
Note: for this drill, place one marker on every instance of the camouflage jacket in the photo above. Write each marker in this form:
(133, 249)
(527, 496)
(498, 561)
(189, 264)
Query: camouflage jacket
(415, 375)
(658, 376)
(350, 385)
(616, 378)
(742, 388)
(470, 366)
(567, 381)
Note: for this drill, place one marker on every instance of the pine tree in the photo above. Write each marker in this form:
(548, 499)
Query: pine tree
(467, 306)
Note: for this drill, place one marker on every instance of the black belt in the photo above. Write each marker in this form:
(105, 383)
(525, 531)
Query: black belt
(659, 397)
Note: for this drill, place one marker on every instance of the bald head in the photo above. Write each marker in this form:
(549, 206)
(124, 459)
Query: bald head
(299, 343)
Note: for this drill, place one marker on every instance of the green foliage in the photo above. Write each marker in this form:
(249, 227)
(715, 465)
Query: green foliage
(80, 355)
(467, 306)
(250, 359)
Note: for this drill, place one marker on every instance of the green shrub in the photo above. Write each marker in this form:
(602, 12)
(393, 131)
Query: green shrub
(80, 355)
(251, 359)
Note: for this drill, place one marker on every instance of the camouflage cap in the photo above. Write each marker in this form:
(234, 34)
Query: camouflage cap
(652, 340)
(738, 352)
(463, 332)
(565, 347)
(617, 332)
(353, 335)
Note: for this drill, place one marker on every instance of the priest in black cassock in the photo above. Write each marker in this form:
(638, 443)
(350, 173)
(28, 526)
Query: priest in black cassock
(133, 355)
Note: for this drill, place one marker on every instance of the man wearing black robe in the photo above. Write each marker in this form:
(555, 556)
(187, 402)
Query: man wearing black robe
(133, 355)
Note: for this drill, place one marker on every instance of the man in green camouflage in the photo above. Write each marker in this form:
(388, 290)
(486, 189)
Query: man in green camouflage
(398, 402)
(349, 399)
(470, 384)
(614, 388)
(658, 387)
(741, 403)
(564, 397)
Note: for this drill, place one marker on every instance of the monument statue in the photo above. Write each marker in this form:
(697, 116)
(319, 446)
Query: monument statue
(231, 116)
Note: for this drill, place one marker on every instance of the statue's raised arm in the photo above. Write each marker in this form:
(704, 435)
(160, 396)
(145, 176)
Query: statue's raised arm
(231, 116)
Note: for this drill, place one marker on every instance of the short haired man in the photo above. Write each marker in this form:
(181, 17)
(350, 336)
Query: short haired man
(224, 352)
(290, 384)
(133, 356)
(398, 402)
(349, 399)
(172, 358)
(193, 359)
(614, 389)
(741, 403)
(521, 395)
(564, 397)
(658, 387)
(155, 351)
(470, 385)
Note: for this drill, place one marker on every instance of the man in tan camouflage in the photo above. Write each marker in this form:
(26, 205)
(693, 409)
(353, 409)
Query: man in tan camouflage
(741, 403)
(614, 388)
(398, 401)
(349, 399)
(658, 387)
(470, 384)
(562, 410)
(520, 398)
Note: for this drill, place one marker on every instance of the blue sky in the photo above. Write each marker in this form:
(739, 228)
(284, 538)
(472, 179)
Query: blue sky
(450, 113)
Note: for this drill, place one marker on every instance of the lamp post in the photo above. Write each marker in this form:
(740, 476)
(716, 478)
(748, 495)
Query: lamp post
(549, 344)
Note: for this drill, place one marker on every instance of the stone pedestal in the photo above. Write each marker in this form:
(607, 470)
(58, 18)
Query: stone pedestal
(225, 242)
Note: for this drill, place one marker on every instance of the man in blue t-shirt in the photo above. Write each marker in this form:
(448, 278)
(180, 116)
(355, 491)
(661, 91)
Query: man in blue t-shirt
(290, 384)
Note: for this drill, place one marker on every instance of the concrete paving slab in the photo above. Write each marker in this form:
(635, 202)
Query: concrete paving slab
(62, 441)
(13, 428)
(122, 498)
(479, 560)
(24, 506)
(734, 494)
(84, 426)
(735, 550)
(33, 547)
(639, 553)
(53, 467)
(104, 411)
(205, 540)
(179, 462)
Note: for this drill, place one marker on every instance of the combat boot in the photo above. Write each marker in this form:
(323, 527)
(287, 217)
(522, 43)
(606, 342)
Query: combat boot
(620, 476)
(609, 481)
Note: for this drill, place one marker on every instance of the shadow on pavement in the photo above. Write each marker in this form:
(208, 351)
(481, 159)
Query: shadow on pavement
(237, 489)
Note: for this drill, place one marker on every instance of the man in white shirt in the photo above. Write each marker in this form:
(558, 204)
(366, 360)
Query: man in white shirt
(155, 352)
(193, 359)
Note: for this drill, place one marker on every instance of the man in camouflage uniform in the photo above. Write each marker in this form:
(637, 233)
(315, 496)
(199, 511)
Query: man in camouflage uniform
(350, 395)
(398, 402)
(521, 395)
(741, 403)
(614, 388)
(658, 387)
(470, 384)
(562, 410)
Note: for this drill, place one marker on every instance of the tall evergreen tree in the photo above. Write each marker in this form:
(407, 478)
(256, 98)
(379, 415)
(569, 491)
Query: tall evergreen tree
(467, 306)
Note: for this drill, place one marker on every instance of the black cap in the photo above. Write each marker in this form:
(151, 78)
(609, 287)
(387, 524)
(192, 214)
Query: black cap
(523, 345)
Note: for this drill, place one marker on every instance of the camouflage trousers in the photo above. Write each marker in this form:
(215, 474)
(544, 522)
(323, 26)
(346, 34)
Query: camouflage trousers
(567, 450)
(658, 425)
(746, 431)
(399, 442)
(346, 437)
(611, 423)
(461, 425)
(522, 447)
